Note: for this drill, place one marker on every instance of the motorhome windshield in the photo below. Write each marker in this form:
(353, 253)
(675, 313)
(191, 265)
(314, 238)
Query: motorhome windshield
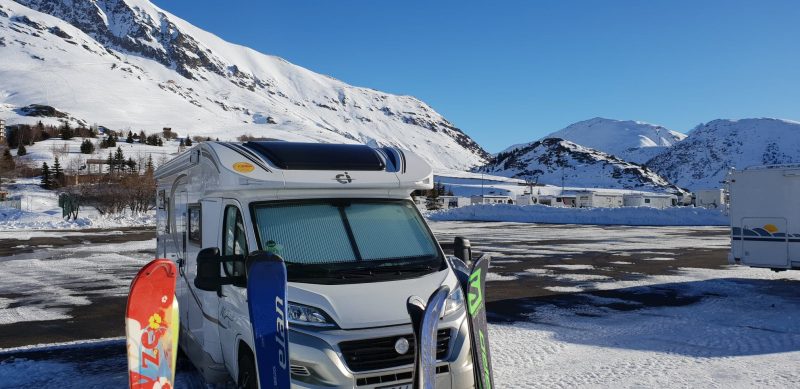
(347, 241)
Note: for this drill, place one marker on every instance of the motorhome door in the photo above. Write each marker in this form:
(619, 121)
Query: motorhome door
(233, 300)
(764, 242)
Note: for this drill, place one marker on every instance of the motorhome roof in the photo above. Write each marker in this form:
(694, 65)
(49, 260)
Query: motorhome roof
(301, 166)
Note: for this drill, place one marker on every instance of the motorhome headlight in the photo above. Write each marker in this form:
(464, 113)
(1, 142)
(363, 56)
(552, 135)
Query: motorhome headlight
(308, 316)
(454, 302)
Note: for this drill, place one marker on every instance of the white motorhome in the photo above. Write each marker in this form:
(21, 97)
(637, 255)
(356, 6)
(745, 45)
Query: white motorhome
(355, 246)
(765, 218)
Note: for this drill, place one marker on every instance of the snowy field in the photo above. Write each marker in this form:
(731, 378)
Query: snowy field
(40, 211)
(630, 216)
(570, 306)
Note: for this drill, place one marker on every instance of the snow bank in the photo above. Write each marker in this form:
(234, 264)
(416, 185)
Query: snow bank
(632, 216)
(15, 219)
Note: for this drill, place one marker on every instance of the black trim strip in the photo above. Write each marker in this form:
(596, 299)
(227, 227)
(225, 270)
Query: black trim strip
(204, 153)
(253, 155)
(403, 158)
(765, 239)
(255, 161)
(350, 234)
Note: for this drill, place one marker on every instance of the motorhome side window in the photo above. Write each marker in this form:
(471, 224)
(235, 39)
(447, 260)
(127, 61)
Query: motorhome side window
(234, 240)
(195, 221)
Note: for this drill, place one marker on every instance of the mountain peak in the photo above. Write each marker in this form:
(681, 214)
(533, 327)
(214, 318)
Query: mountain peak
(557, 161)
(702, 160)
(127, 64)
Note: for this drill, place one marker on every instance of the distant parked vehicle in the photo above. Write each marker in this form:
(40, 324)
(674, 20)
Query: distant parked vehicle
(710, 198)
(765, 216)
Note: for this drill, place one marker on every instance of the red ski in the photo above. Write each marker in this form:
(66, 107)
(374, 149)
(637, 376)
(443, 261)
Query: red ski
(151, 326)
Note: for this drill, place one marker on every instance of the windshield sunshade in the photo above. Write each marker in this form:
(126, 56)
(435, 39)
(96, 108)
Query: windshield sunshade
(356, 231)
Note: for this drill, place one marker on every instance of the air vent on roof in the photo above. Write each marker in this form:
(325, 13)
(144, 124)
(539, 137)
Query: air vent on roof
(318, 156)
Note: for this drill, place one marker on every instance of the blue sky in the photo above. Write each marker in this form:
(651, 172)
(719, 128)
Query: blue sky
(512, 71)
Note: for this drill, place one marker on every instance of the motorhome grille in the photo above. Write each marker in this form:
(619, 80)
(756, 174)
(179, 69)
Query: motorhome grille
(374, 354)
(395, 377)
(318, 156)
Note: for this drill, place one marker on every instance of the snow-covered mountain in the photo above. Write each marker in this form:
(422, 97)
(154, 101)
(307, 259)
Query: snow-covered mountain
(128, 64)
(551, 160)
(629, 140)
(704, 157)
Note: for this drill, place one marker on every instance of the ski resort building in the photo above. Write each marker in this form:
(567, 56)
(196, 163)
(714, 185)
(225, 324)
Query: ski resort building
(653, 200)
(598, 199)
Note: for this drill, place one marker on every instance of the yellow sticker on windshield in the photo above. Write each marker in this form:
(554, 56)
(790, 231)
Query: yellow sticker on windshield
(243, 167)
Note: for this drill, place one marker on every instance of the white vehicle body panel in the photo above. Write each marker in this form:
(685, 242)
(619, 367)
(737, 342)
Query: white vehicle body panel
(765, 216)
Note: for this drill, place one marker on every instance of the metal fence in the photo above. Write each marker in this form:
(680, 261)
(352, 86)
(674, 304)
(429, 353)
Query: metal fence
(11, 204)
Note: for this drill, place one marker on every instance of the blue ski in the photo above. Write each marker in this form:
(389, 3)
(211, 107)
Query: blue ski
(266, 301)
(425, 322)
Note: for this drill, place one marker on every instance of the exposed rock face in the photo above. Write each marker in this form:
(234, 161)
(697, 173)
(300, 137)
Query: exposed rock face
(557, 161)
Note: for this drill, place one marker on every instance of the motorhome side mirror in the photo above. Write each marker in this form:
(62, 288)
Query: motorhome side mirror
(462, 249)
(208, 278)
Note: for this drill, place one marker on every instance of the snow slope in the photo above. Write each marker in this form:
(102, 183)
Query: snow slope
(704, 157)
(126, 64)
(629, 140)
(556, 162)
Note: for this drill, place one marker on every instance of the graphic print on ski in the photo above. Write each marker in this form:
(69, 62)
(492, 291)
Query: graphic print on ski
(474, 288)
(151, 326)
(425, 323)
(266, 300)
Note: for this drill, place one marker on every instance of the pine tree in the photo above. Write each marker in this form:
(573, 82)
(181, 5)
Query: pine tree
(188, 142)
(66, 131)
(149, 168)
(130, 138)
(21, 150)
(87, 147)
(45, 176)
(142, 137)
(110, 162)
(159, 142)
(119, 159)
(58, 174)
(7, 161)
(131, 164)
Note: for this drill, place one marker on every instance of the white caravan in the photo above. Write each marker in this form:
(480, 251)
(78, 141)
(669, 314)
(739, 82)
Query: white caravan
(652, 200)
(355, 246)
(597, 199)
(710, 198)
(765, 216)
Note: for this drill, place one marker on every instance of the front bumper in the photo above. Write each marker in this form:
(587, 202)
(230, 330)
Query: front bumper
(318, 362)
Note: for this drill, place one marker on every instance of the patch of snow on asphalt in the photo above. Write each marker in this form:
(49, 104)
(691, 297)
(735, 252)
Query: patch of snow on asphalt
(571, 267)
